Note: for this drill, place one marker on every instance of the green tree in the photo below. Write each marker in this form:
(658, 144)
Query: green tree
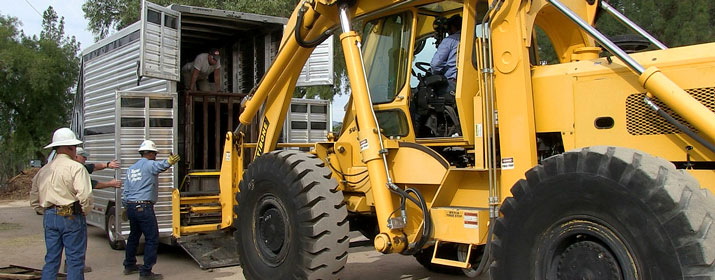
(673, 22)
(36, 80)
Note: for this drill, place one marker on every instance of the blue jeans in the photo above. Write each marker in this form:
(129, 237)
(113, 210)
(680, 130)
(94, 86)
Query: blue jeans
(70, 234)
(142, 220)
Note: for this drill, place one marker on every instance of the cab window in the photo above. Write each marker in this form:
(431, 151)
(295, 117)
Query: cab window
(385, 51)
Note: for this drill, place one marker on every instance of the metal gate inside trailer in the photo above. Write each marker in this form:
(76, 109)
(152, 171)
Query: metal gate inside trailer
(146, 116)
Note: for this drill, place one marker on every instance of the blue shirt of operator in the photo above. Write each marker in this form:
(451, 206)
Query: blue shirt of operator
(444, 60)
(142, 180)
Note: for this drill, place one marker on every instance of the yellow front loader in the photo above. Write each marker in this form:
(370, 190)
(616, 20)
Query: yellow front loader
(589, 168)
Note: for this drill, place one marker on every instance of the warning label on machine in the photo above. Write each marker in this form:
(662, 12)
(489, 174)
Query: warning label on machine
(507, 163)
(364, 145)
(471, 220)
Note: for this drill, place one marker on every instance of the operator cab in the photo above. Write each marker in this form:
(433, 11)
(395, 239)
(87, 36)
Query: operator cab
(420, 101)
(433, 105)
(397, 50)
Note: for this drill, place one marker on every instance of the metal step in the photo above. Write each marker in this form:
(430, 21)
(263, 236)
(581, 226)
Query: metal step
(448, 262)
(211, 250)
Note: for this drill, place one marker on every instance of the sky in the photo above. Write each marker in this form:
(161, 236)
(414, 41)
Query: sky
(29, 12)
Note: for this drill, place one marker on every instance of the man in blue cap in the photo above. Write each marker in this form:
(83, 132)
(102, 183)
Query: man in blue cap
(82, 156)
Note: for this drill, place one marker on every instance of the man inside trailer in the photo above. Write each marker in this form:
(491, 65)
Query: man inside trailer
(196, 73)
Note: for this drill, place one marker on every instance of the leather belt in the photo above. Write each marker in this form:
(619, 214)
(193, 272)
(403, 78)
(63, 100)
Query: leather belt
(140, 202)
(63, 210)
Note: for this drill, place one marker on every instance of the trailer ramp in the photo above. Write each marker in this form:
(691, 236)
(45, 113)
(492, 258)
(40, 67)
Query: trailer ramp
(211, 250)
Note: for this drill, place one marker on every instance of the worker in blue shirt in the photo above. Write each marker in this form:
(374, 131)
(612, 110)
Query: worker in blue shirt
(444, 61)
(141, 192)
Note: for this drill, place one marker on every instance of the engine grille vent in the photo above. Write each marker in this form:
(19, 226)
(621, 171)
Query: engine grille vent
(641, 120)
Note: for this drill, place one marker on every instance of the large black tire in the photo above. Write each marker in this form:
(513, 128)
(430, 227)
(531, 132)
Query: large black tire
(605, 213)
(109, 230)
(292, 222)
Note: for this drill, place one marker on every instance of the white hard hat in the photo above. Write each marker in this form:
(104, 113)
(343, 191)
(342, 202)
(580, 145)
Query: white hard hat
(148, 145)
(82, 152)
(64, 137)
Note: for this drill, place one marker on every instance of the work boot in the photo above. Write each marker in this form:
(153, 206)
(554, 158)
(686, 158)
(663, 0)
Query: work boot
(152, 276)
(131, 270)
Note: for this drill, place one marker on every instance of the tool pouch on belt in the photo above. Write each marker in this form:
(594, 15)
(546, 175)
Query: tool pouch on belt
(76, 208)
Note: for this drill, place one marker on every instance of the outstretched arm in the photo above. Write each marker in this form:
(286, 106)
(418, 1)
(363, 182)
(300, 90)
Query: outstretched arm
(194, 76)
(114, 183)
(114, 164)
(217, 80)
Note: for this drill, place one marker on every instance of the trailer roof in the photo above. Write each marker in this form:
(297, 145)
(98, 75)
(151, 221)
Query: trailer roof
(201, 26)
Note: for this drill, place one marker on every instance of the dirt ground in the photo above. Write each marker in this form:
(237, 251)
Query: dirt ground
(22, 243)
(18, 187)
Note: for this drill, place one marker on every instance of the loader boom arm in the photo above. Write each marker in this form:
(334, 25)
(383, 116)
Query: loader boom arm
(313, 20)
(275, 91)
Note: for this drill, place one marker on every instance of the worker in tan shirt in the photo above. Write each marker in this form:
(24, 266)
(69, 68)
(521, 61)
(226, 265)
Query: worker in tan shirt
(64, 191)
(81, 157)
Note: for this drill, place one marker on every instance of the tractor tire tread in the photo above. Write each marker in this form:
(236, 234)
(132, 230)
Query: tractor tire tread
(322, 224)
(682, 208)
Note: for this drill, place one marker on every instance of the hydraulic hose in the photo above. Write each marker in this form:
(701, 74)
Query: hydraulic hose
(426, 224)
(427, 219)
(299, 39)
(679, 125)
(487, 256)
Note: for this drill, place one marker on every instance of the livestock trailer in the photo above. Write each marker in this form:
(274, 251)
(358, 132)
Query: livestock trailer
(129, 90)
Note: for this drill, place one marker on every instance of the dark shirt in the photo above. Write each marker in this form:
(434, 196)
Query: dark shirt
(90, 169)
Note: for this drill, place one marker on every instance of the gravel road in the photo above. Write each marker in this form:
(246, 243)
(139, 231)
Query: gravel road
(22, 243)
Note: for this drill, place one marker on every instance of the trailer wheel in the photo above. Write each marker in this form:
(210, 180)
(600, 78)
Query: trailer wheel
(605, 213)
(110, 225)
(292, 222)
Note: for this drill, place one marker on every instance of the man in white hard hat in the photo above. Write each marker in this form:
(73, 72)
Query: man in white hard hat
(83, 155)
(141, 192)
(64, 191)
